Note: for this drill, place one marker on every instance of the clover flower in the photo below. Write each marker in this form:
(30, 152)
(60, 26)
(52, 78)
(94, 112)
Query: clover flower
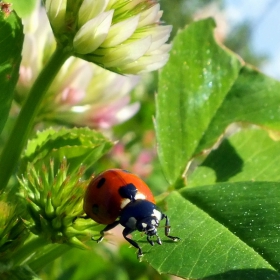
(87, 95)
(54, 200)
(124, 36)
(82, 93)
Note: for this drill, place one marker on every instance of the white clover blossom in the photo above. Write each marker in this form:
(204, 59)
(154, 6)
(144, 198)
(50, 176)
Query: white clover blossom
(124, 36)
(82, 94)
(87, 95)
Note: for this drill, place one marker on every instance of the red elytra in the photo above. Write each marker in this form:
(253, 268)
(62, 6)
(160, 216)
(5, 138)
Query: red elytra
(103, 202)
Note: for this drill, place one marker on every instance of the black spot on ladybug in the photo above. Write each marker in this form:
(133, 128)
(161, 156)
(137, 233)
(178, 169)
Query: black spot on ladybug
(101, 183)
(128, 191)
(95, 209)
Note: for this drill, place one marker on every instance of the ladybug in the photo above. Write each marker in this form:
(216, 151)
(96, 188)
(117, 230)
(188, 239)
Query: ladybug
(117, 193)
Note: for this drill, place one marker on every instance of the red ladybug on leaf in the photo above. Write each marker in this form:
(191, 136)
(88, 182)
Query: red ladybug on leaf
(118, 193)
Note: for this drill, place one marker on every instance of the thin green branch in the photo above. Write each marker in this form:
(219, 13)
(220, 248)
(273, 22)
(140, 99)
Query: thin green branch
(24, 124)
(55, 252)
(34, 244)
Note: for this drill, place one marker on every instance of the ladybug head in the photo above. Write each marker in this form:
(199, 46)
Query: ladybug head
(148, 225)
(141, 215)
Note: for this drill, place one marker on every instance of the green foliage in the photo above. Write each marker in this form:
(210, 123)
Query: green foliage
(249, 211)
(12, 230)
(228, 229)
(11, 40)
(120, 265)
(210, 246)
(248, 155)
(192, 87)
(253, 99)
(23, 8)
(213, 91)
(78, 145)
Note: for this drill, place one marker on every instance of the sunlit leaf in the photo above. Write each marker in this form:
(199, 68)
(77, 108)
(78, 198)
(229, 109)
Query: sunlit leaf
(23, 8)
(192, 87)
(248, 155)
(254, 98)
(224, 235)
(78, 145)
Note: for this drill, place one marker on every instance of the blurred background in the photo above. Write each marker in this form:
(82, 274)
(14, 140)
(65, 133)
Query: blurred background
(249, 28)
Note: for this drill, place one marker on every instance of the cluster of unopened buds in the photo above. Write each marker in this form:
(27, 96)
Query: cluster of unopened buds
(54, 201)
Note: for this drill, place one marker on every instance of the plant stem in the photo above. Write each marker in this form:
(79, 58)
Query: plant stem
(24, 123)
(55, 252)
(28, 249)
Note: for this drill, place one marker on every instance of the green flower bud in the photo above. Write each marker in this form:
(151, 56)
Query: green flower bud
(54, 200)
(12, 229)
(74, 241)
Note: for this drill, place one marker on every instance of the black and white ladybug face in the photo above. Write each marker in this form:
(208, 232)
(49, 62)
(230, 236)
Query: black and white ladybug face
(148, 225)
(141, 215)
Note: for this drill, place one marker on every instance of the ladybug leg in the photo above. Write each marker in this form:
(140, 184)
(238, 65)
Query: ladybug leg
(149, 240)
(81, 217)
(126, 232)
(167, 228)
(158, 240)
(152, 242)
(107, 228)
